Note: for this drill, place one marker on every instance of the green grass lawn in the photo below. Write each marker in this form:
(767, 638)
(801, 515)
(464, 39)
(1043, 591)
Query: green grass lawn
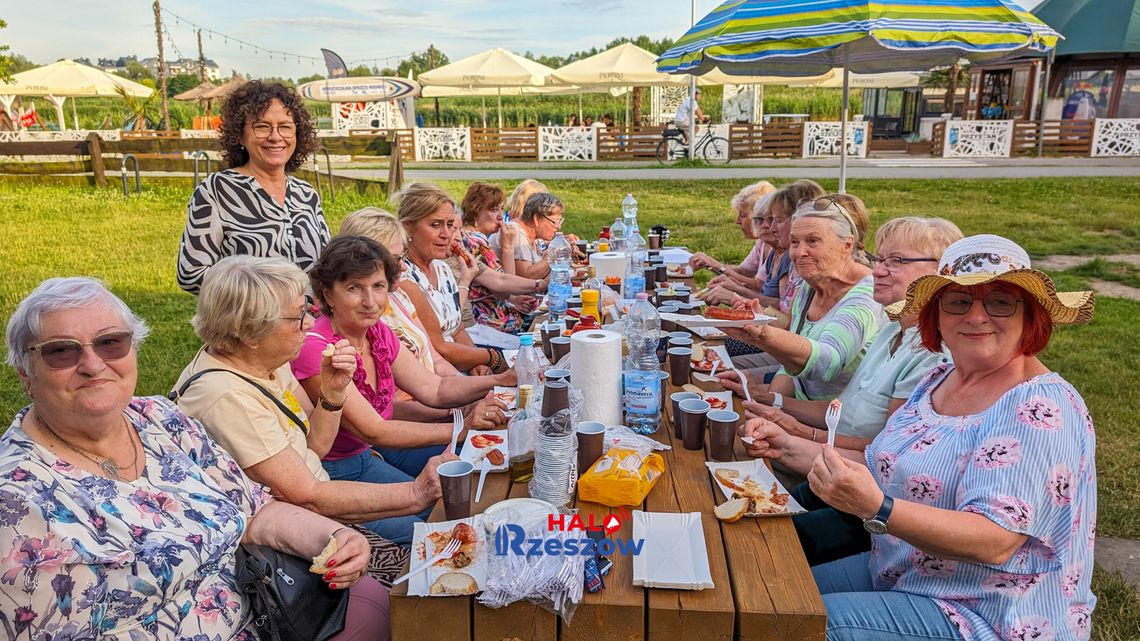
(133, 244)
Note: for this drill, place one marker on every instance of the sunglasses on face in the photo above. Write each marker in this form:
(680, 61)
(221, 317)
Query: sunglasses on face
(262, 130)
(66, 352)
(996, 304)
(895, 263)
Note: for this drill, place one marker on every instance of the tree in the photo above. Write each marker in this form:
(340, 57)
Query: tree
(303, 79)
(136, 71)
(948, 78)
(181, 82)
(421, 61)
(20, 63)
(142, 111)
(6, 62)
(360, 71)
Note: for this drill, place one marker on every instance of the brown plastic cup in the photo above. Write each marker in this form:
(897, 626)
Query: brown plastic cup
(681, 342)
(591, 436)
(679, 365)
(650, 274)
(555, 397)
(559, 347)
(722, 433)
(654, 241)
(675, 400)
(550, 330)
(557, 375)
(455, 482)
(694, 420)
(662, 272)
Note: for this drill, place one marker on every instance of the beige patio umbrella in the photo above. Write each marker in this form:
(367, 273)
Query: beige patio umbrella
(496, 69)
(68, 79)
(888, 80)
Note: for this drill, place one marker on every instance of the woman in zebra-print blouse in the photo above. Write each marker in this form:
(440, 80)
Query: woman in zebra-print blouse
(254, 207)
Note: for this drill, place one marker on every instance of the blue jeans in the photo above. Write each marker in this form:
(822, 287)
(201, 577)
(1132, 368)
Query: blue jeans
(410, 461)
(827, 534)
(369, 468)
(858, 612)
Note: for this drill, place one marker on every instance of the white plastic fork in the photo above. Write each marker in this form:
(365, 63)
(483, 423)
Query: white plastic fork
(744, 384)
(448, 552)
(831, 418)
(483, 469)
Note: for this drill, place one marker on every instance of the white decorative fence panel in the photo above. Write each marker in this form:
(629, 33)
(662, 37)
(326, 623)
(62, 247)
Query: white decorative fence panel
(821, 139)
(977, 139)
(1116, 137)
(198, 133)
(567, 143)
(718, 152)
(443, 143)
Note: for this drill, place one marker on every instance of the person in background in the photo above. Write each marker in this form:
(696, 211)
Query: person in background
(908, 248)
(689, 112)
(121, 516)
(747, 277)
(572, 120)
(428, 216)
(541, 219)
(254, 206)
(517, 200)
(589, 122)
(980, 494)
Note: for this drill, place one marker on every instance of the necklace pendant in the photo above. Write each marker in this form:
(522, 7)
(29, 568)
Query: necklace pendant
(110, 469)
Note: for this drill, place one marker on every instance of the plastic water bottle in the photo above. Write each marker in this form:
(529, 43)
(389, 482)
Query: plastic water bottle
(640, 380)
(633, 282)
(629, 211)
(617, 235)
(560, 289)
(528, 363)
(635, 245)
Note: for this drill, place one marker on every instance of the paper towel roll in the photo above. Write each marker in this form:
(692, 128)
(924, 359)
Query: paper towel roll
(608, 264)
(595, 368)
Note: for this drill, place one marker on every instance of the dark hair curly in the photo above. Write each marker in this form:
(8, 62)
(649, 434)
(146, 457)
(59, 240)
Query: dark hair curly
(351, 257)
(248, 102)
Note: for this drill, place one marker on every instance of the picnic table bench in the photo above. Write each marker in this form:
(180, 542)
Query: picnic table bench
(763, 585)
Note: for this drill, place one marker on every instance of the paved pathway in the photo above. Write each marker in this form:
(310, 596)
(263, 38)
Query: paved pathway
(883, 167)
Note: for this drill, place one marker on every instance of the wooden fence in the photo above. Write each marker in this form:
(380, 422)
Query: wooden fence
(1061, 137)
(628, 143)
(773, 140)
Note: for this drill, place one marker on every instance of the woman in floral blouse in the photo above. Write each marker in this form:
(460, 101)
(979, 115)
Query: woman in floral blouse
(119, 516)
(980, 493)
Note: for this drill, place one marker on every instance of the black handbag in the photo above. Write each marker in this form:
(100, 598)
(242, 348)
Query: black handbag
(289, 603)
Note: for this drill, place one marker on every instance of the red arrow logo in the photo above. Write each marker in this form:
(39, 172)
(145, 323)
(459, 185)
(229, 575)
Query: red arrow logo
(611, 524)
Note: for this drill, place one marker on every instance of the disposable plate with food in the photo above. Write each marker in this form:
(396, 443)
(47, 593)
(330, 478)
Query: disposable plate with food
(486, 444)
(754, 482)
(691, 321)
(464, 573)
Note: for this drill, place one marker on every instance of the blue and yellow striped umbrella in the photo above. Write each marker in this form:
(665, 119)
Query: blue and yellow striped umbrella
(810, 37)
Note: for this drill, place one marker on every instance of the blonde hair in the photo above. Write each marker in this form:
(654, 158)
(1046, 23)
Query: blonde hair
(375, 223)
(242, 300)
(927, 236)
(517, 200)
(748, 197)
(420, 200)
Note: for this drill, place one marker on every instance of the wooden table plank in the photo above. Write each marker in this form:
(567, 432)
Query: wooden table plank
(450, 618)
(519, 620)
(617, 613)
(690, 614)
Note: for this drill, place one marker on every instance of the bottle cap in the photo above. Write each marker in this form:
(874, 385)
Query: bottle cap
(590, 296)
(642, 296)
(526, 340)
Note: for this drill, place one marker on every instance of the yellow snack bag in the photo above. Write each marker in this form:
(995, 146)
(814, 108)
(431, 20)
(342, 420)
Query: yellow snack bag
(621, 477)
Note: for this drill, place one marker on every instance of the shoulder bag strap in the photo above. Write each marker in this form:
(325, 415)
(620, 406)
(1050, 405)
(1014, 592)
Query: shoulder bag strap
(175, 394)
(804, 310)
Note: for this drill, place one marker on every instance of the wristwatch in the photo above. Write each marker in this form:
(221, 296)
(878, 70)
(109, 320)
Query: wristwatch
(777, 400)
(878, 524)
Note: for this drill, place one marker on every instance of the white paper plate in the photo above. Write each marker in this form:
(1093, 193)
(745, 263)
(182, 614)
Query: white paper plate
(758, 471)
(691, 321)
(475, 455)
(530, 511)
(707, 333)
(674, 555)
(420, 584)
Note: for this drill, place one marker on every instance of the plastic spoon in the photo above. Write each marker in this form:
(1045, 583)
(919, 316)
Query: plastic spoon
(483, 469)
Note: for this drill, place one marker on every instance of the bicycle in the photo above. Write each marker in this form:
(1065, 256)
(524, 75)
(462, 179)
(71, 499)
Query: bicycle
(714, 149)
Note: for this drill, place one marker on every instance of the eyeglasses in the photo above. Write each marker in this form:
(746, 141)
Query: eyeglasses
(827, 202)
(300, 319)
(66, 352)
(262, 130)
(996, 304)
(767, 220)
(557, 222)
(895, 263)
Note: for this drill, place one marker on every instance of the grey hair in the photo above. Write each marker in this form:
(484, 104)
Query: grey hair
(540, 204)
(63, 294)
(242, 299)
(842, 225)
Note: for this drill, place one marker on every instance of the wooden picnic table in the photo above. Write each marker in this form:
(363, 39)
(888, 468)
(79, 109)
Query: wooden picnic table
(763, 586)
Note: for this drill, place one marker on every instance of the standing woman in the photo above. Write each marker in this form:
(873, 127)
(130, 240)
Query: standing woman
(254, 207)
(428, 216)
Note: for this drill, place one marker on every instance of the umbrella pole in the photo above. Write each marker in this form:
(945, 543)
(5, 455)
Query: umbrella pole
(629, 90)
(843, 124)
(74, 115)
(500, 98)
(1044, 101)
(579, 107)
(692, 116)
(484, 111)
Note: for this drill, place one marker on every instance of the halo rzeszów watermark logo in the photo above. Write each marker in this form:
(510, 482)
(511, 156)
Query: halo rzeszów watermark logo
(597, 536)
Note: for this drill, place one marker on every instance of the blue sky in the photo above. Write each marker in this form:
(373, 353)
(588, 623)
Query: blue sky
(356, 30)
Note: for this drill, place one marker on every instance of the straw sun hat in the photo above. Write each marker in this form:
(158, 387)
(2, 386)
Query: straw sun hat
(985, 258)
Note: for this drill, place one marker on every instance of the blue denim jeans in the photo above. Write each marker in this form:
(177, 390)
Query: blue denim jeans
(827, 534)
(858, 612)
(368, 468)
(410, 461)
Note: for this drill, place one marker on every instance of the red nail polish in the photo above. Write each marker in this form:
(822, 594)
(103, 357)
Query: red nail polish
(330, 564)
(332, 586)
(330, 575)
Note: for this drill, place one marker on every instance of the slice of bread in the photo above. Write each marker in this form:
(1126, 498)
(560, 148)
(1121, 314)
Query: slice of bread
(731, 511)
(727, 476)
(320, 562)
(454, 584)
